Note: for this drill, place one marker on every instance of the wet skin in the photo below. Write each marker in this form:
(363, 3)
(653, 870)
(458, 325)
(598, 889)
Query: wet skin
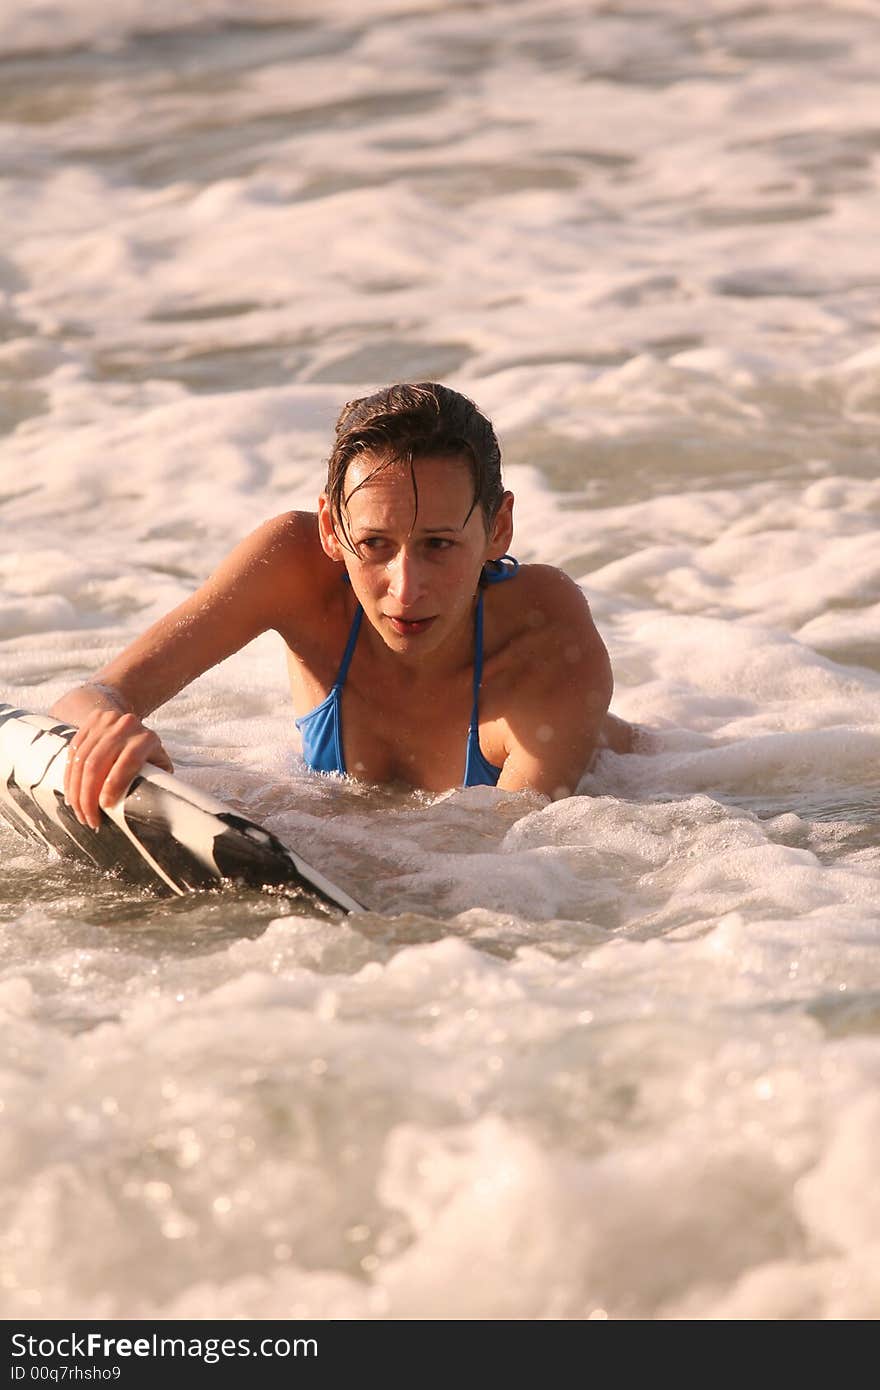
(415, 569)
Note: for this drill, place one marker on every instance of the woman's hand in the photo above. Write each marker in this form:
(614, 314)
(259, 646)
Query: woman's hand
(267, 577)
(107, 751)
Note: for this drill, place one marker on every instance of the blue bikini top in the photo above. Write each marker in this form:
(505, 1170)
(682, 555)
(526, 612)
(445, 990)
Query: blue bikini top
(321, 728)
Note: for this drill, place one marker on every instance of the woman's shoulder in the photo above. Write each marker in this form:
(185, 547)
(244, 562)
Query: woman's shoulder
(544, 596)
(286, 530)
(290, 540)
(546, 630)
(278, 567)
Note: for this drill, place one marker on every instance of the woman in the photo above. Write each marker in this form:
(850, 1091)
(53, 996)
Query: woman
(419, 651)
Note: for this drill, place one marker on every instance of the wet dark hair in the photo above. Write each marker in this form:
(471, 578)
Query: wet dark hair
(410, 421)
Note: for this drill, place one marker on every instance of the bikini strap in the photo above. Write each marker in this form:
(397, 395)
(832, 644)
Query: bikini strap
(349, 647)
(496, 571)
(478, 664)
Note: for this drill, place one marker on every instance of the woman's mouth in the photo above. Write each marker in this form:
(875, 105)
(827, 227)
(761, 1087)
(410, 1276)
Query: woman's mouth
(409, 627)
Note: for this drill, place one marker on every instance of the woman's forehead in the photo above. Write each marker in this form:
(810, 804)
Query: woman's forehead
(443, 482)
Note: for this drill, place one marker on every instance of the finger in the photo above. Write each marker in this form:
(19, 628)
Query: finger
(125, 767)
(111, 738)
(93, 774)
(77, 761)
(68, 767)
(74, 756)
(72, 748)
(81, 745)
(161, 759)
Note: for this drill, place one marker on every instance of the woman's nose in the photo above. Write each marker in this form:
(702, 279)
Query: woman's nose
(404, 577)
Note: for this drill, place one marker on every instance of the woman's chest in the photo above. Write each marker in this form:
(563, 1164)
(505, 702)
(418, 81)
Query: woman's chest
(389, 732)
(416, 737)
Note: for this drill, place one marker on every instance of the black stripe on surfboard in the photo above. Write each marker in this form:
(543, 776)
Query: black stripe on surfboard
(243, 852)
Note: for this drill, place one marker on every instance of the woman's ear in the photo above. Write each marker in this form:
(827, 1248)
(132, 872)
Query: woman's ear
(330, 542)
(501, 533)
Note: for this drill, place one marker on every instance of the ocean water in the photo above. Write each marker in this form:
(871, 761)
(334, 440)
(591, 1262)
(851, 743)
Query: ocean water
(612, 1057)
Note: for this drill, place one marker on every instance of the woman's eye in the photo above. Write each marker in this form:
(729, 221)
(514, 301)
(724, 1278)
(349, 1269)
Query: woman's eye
(371, 543)
(438, 543)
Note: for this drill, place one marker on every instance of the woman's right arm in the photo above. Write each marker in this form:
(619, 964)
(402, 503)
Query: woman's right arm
(255, 588)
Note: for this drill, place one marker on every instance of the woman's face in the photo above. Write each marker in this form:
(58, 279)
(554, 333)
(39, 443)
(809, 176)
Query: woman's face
(415, 567)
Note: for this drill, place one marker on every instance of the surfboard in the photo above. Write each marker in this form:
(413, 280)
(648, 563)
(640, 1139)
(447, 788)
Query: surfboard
(163, 834)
